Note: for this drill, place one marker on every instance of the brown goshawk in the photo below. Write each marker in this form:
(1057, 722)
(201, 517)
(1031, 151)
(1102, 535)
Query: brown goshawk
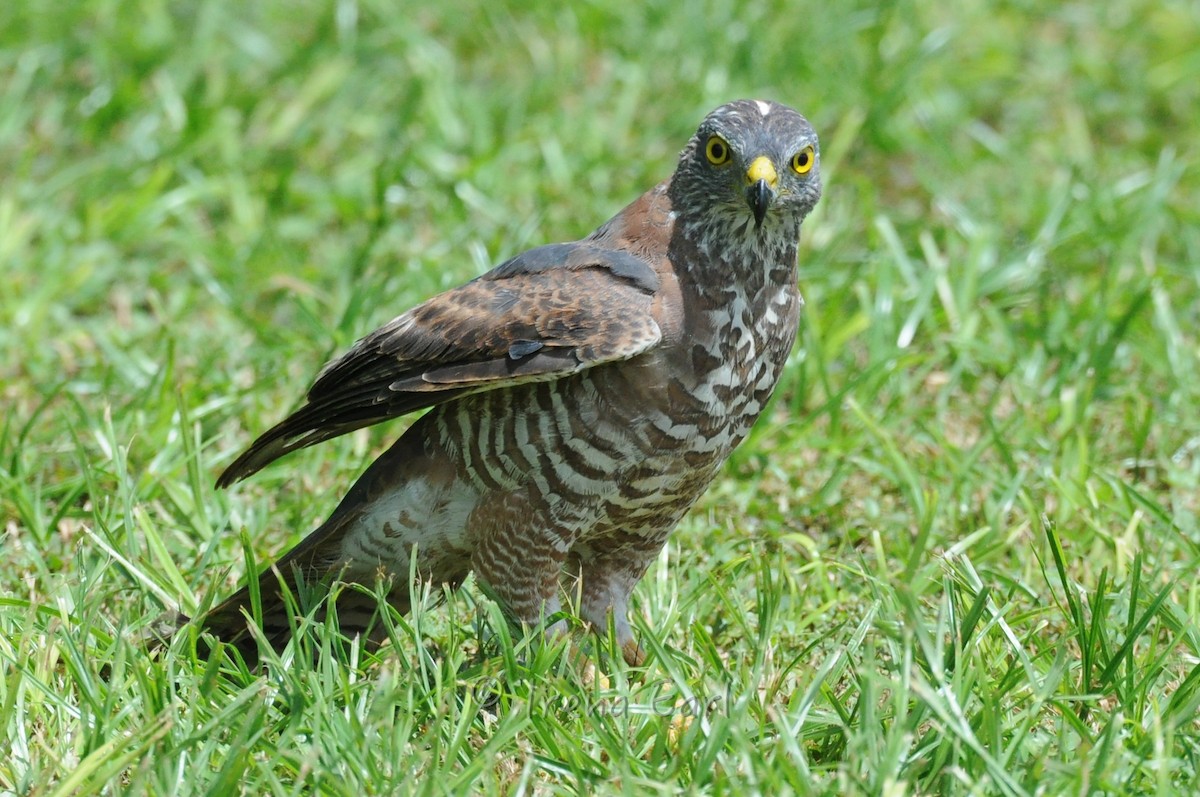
(583, 395)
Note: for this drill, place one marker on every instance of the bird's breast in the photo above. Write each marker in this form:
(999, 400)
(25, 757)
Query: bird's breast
(711, 385)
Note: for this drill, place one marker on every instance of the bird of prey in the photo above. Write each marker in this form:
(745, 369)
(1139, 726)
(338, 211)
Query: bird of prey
(581, 397)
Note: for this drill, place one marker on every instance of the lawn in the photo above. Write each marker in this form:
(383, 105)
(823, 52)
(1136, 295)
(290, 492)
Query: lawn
(958, 555)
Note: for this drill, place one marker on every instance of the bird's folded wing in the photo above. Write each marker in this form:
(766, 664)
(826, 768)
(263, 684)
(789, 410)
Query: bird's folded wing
(546, 314)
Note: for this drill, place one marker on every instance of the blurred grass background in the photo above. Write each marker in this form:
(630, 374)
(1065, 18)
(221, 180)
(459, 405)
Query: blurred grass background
(959, 556)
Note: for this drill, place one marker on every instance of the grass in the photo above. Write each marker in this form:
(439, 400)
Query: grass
(958, 557)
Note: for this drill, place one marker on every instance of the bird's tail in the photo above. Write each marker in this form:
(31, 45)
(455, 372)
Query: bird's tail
(283, 601)
(231, 620)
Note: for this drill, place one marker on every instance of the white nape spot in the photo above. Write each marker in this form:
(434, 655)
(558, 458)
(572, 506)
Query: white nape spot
(763, 107)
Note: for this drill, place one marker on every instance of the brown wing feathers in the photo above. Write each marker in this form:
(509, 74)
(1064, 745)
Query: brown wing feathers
(549, 312)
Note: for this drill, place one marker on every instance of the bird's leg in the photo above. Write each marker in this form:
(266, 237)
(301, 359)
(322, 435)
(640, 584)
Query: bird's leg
(517, 562)
(607, 583)
(527, 597)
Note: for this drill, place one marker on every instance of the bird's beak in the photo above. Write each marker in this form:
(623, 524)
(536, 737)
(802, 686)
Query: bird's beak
(761, 182)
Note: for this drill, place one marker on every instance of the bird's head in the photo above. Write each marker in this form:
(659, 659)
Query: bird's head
(752, 168)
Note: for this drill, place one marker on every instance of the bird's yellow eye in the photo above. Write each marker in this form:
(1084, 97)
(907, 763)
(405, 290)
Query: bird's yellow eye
(802, 161)
(717, 150)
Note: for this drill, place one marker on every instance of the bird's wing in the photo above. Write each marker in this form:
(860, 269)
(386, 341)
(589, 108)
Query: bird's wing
(550, 312)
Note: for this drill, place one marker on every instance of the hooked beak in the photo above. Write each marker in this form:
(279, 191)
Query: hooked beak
(761, 180)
